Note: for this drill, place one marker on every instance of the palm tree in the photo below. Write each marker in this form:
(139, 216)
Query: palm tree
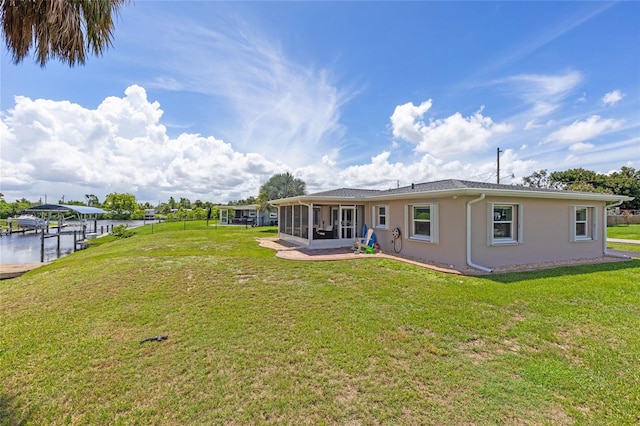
(58, 29)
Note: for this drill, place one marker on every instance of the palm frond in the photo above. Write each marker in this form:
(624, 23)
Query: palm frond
(58, 29)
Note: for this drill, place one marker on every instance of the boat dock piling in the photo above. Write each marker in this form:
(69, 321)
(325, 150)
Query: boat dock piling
(79, 240)
(42, 237)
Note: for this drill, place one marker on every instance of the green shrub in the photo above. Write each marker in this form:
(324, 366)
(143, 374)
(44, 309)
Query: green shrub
(121, 231)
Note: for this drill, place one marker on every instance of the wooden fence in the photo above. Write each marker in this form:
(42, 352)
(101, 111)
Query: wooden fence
(619, 219)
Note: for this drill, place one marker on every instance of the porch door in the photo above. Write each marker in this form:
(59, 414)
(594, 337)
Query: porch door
(224, 217)
(334, 217)
(347, 222)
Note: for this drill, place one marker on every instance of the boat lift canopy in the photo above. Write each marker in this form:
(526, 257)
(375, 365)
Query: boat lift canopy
(61, 208)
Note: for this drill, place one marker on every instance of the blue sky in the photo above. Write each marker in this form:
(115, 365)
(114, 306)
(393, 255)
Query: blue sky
(207, 100)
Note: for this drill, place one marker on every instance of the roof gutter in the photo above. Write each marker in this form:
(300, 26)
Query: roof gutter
(604, 237)
(469, 262)
(590, 196)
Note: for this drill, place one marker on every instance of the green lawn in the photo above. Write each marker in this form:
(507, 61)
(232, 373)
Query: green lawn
(254, 339)
(627, 232)
(623, 247)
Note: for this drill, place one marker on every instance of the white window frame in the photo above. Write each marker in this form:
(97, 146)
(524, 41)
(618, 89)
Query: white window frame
(409, 223)
(376, 216)
(516, 224)
(590, 222)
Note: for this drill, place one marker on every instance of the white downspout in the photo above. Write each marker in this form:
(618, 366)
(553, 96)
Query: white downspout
(469, 262)
(604, 236)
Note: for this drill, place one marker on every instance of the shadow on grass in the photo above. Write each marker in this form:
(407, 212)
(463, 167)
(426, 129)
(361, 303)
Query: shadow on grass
(8, 414)
(513, 277)
(270, 231)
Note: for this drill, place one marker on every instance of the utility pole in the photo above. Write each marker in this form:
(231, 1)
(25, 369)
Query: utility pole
(498, 151)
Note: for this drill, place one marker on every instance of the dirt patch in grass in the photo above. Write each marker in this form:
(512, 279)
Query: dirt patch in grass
(476, 350)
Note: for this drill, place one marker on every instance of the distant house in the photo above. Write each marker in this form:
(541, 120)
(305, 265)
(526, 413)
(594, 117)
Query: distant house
(456, 222)
(149, 214)
(249, 214)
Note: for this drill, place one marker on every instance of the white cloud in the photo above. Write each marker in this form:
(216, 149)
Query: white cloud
(122, 146)
(513, 169)
(543, 93)
(119, 147)
(15, 176)
(278, 105)
(612, 98)
(581, 131)
(448, 136)
(582, 98)
(383, 173)
(549, 85)
(581, 146)
(406, 121)
(58, 147)
(328, 160)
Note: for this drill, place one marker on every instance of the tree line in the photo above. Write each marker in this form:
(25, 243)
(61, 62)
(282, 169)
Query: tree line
(125, 205)
(626, 181)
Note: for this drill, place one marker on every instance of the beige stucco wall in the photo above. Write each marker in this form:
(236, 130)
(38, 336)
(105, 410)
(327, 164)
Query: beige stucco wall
(546, 234)
(451, 246)
(545, 227)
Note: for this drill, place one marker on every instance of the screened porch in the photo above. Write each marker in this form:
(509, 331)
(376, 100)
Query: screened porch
(321, 225)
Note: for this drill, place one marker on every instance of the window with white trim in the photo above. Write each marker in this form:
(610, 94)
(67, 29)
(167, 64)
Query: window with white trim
(381, 216)
(583, 223)
(505, 223)
(422, 222)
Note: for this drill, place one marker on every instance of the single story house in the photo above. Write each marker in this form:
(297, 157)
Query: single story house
(250, 214)
(457, 222)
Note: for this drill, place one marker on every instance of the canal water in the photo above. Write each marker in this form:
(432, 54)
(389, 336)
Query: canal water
(25, 247)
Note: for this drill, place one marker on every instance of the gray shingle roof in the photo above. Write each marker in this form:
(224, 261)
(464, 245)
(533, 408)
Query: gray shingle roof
(448, 184)
(451, 185)
(348, 193)
(440, 185)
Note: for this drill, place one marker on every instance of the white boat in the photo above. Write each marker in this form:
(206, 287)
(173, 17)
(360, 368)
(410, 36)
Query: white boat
(30, 221)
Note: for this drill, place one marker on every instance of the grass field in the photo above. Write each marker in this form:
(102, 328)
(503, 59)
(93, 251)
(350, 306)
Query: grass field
(626, 232)
(254, 339)
(624, 247)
